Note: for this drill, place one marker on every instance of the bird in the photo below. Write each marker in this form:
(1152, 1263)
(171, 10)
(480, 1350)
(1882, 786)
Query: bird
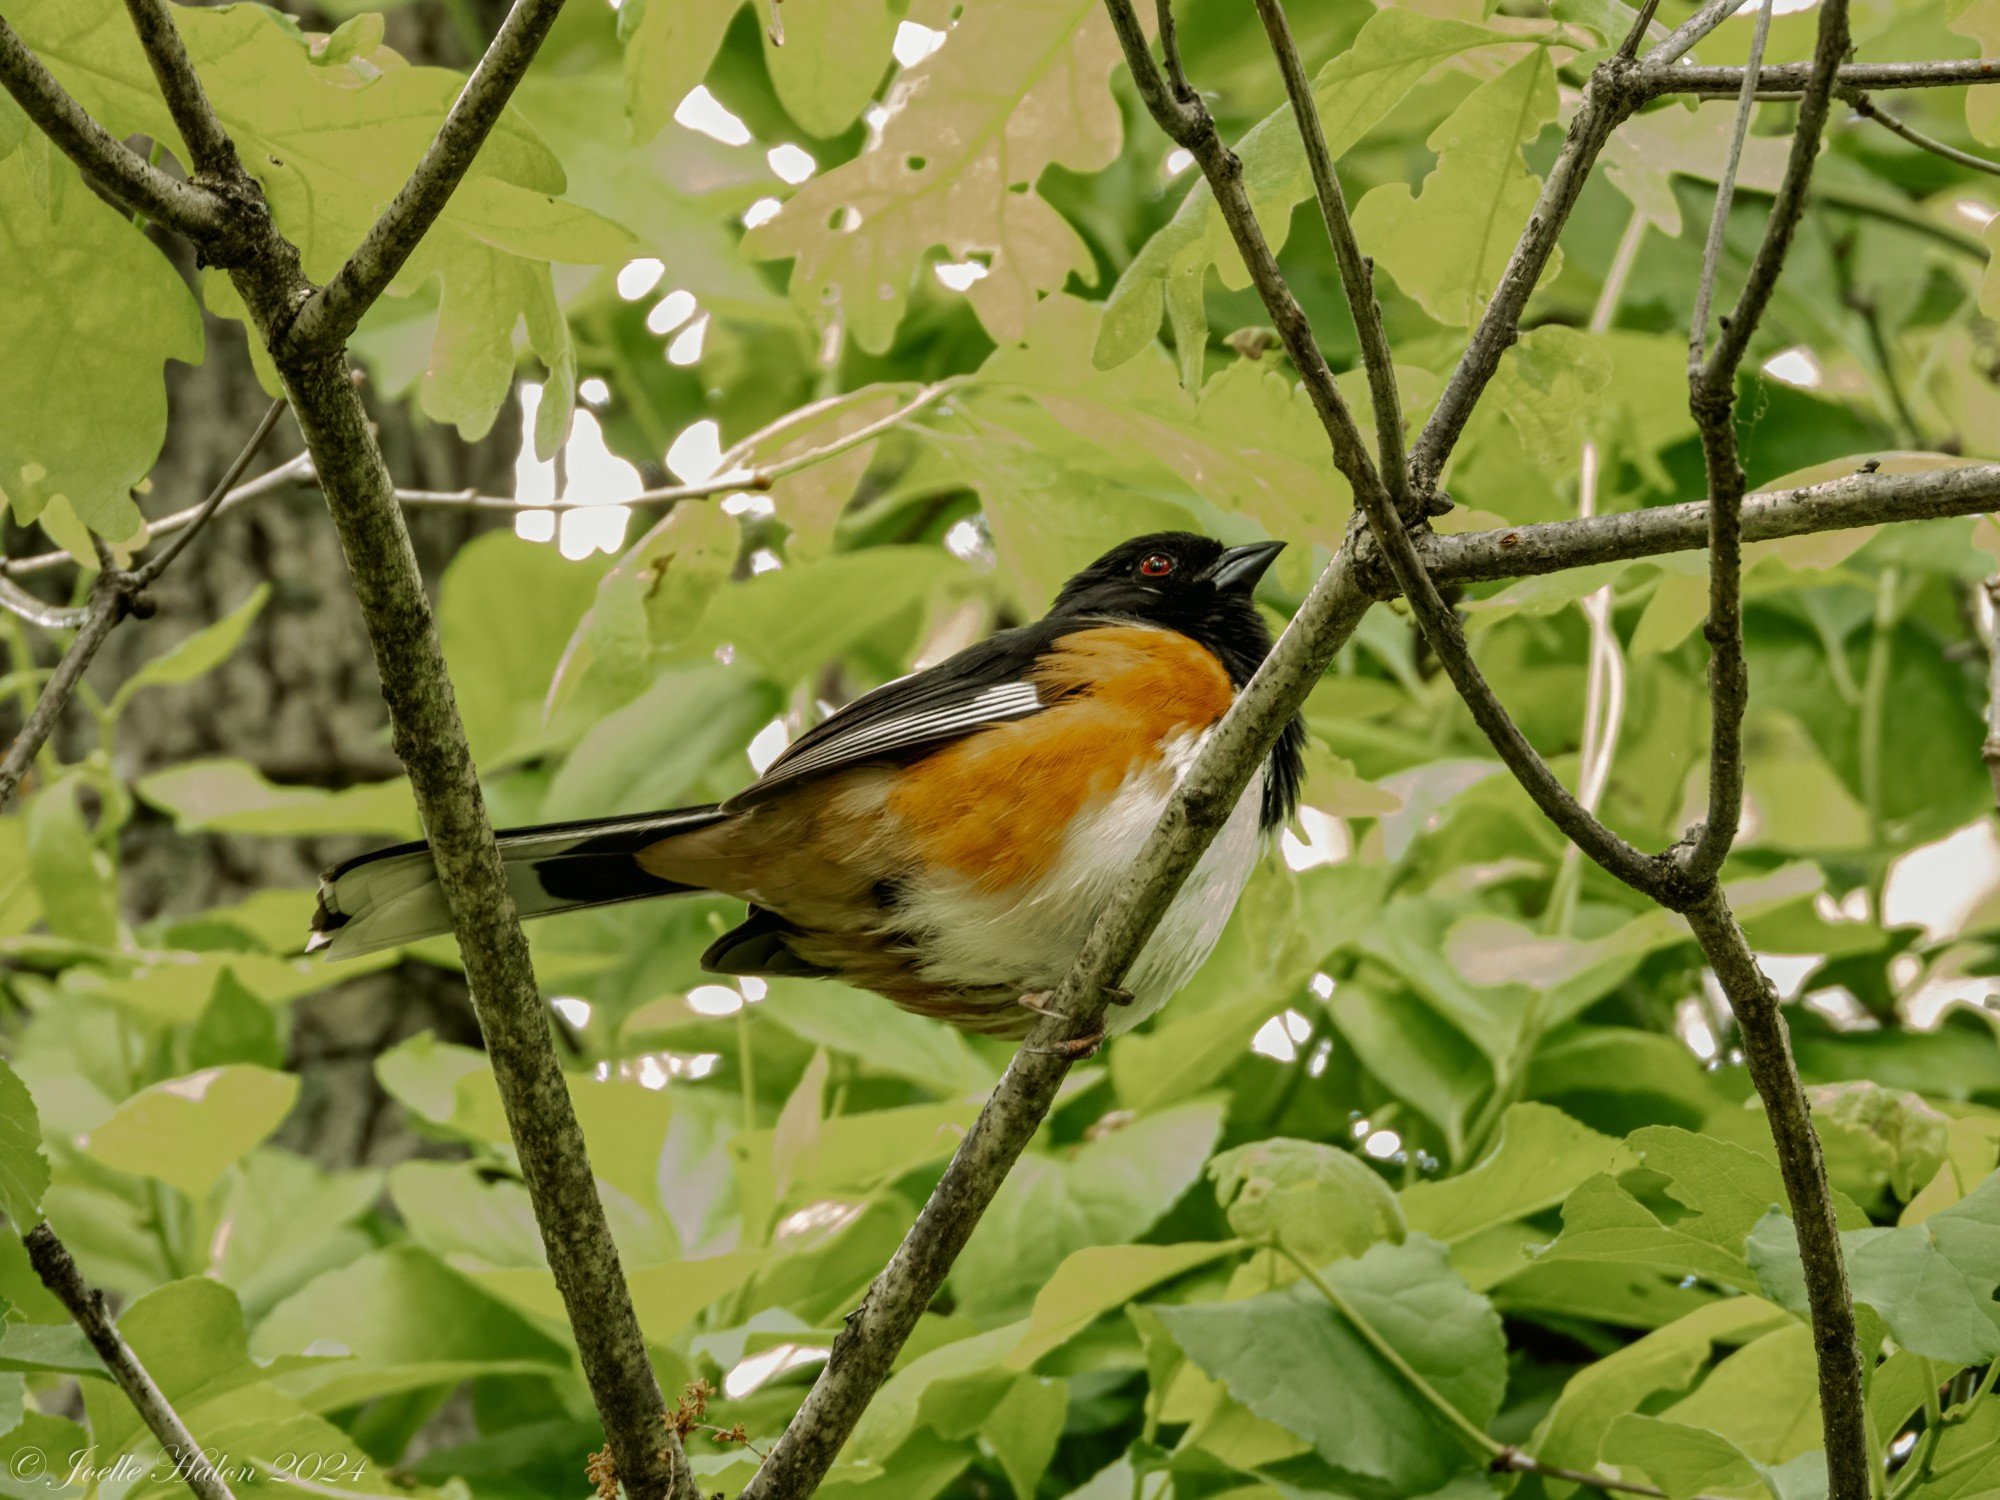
(948, 839)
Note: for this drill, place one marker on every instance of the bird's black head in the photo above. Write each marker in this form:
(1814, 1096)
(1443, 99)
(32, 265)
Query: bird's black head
(1197, 586)
(1189, 583)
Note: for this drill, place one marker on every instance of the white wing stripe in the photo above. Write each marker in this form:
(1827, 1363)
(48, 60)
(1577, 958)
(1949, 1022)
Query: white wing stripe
(1009, 700)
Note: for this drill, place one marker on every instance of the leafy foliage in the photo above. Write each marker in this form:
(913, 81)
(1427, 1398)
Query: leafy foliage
(1481, 1091)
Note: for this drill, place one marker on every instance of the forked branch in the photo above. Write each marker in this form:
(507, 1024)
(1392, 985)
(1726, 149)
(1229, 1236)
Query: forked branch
(325, 322)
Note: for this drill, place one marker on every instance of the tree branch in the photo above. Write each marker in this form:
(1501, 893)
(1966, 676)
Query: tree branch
(52, 1262)
(184, 207)
(324, 323)
(1788, 80)
(1767, 1048)
(867, 1346)
(429, 738)
(1869, 110)
(1712, 400)
(1441, 626)
(1866, 499)
(1715, 418)
(1357, 272)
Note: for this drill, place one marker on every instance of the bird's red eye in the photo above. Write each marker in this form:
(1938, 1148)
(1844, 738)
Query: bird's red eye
(1156, 565)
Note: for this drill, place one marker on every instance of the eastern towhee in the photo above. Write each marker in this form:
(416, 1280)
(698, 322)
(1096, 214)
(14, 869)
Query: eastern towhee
(948, 839)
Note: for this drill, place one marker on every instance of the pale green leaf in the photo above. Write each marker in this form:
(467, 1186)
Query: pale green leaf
(232, 796)
(1322, 1202)
(24, 1170)
(78, 896)
(92, 311)
(188, 1131)
(1020, 87)
(1447, 246)
(197, 654)
(1541, 1157)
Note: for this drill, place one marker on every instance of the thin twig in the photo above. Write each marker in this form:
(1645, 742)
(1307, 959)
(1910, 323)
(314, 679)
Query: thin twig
(330, 316)
(732, 478)
(1357, 272)
(1868, 109)
(113, 595)
(1712, 400)
(1685, 37)
(213, 153)
(1629, 48)
(874, 1332)
(1725, 194)
(187, 209)
(18, 601)
(108, 603)
(157, 564)
(59, 1273)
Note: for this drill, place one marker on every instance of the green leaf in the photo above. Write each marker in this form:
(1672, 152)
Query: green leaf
(232, 796)
(407, 1321)
(1024, 1429)
(1110, 1190)
(1447, 246)
(197, 654)
(289, 1222)
(655, 749)
(1932, 1304)
(1878, 1139)
(187, 1131)
(189, 1336)
(24, 1171)
(1548, 384)
(236, 1027)
(1764, 1398)
(894, 1413)
(331, 145)
(1292, 1359)
(669, 45)
(1020, 87)
(78, 897)
(834, 54)
(1718, 1194)
(881, 1037)
(1324, 1203)
(791, 621)
(506, 610)
(1684, 1461)
(1097, 1279)
(1542, 1155)
(93, 312)
(1667, 1359)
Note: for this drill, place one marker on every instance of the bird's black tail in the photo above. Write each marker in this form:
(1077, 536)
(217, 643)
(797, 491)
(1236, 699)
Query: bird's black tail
(391, 897)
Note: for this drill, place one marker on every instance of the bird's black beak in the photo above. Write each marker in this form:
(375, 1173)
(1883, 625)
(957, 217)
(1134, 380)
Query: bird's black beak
(1239, 568)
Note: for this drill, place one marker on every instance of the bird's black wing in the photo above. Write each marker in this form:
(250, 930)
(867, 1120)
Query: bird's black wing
(983, 685)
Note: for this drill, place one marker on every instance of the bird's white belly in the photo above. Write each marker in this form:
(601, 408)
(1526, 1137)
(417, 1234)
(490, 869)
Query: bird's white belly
(1026, 939)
